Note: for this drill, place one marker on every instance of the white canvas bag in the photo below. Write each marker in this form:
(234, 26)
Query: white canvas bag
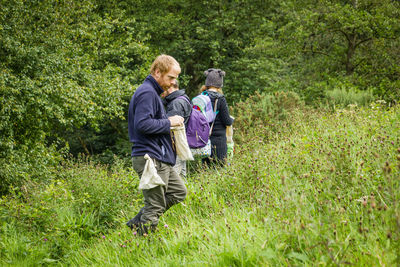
(181, 144)
(150, 177)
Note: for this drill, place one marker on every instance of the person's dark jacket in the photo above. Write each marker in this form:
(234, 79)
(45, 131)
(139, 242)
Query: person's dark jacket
(223, 118)
(148, 124)
(176, 105)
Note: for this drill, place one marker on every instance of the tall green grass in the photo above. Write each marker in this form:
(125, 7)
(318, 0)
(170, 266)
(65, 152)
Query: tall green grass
(343, 97)
(320, 190)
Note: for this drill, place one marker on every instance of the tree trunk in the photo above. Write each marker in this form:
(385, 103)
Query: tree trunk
(351, 47)
(83, 144)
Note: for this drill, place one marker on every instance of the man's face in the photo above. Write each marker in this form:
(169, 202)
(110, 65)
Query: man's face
(166, 80)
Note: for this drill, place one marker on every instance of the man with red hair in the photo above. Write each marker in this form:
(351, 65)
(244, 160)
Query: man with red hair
(149, 131)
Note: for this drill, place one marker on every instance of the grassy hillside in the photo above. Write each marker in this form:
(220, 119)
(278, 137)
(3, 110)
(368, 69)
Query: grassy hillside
(322, 189)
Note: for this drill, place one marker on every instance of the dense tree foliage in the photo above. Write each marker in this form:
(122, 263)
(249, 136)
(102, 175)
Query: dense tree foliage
(63, 67)
(204, 34)
(68, 68)
(344, 43)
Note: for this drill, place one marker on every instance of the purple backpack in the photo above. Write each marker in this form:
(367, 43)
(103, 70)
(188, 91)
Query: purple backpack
(198, 128)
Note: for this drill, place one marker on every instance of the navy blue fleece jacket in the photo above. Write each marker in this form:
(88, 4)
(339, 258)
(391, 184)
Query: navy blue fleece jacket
(148, 124)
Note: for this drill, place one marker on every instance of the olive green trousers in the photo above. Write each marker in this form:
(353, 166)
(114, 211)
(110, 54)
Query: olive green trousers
(159, 199)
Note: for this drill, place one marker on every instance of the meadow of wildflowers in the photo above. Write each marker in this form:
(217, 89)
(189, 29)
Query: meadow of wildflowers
(321, 189)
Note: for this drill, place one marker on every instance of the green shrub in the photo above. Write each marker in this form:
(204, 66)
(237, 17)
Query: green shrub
(314, 93)
(83, 201)
(263, 114)
(34, 163)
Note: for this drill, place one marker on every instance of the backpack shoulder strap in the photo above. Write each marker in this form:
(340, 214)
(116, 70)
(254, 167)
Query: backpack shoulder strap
(183, 97)
(215, 107)
(187, 100)
(216, 100)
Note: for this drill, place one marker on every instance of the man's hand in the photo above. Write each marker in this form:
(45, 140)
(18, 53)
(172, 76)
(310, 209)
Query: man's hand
(176, 120)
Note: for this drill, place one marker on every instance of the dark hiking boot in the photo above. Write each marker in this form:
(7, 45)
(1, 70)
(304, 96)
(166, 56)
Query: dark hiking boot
(135, 220)
(142, 229)
(145, 229)
(153, 228)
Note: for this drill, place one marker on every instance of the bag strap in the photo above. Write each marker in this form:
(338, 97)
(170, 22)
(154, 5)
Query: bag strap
(173, 140)
(183, 97)
(215, 108)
